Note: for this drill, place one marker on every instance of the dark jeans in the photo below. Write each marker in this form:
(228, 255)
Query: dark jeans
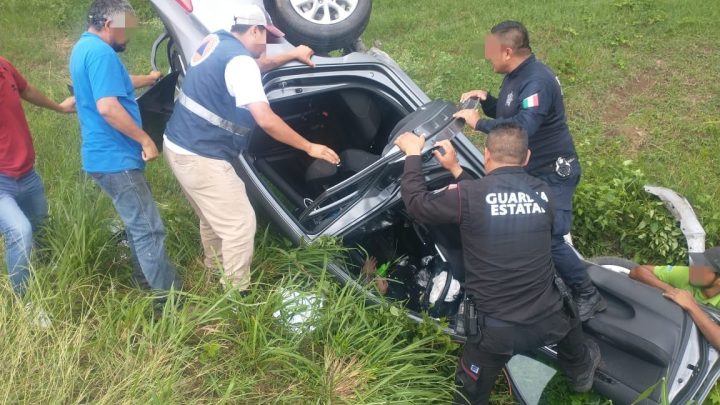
(23, 209)
(133, 201)
(567, 263)
(486, 354)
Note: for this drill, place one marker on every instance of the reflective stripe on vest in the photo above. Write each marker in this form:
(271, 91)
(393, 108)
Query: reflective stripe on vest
(209, 116)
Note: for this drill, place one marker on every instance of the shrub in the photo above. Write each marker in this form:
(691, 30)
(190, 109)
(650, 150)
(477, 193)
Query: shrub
(615, 215)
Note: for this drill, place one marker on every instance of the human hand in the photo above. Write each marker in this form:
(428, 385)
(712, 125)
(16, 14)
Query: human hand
(410, 143)
(369, 270)
(681, 297)
(303, 54)
(68, 105)
(382, 285)
(149, 150)
(323, 152)
(471, 117)
(479, 94)
(155, 75)
(449, 161)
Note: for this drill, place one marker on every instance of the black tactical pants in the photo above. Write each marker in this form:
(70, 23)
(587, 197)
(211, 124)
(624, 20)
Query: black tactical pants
(485, 354)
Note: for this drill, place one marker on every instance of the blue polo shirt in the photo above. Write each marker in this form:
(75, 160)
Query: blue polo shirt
(97, 72)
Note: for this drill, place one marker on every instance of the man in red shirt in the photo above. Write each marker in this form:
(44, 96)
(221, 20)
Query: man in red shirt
(23, 206)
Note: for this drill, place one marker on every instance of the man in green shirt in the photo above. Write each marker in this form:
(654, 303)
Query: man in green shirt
(688, 286)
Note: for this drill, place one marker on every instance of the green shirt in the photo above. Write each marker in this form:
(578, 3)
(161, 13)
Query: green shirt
(679, 277)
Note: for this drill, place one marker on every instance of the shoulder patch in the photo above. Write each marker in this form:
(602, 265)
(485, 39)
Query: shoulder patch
(206, 48)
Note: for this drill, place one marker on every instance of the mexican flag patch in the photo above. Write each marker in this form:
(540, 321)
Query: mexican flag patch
(531, 102)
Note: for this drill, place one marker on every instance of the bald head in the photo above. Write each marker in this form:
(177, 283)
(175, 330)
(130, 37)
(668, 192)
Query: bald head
(508, 144)
(514, 35)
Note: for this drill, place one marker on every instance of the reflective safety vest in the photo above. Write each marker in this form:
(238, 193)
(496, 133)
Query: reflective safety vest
(205, 120)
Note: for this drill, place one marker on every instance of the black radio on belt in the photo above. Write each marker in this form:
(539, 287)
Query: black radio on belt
(563, 167)
(471, 317)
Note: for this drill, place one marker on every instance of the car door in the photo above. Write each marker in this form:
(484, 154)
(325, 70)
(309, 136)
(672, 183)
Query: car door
(643, 338)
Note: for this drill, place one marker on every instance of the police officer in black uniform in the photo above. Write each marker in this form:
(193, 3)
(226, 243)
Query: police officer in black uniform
(531, 96)
(505, 221)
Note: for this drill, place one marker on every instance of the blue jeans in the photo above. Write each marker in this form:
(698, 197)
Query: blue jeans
(133, 201)
(567, 263)
(23, 209)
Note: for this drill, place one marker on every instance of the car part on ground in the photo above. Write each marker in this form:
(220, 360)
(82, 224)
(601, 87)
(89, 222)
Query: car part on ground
(681, 209)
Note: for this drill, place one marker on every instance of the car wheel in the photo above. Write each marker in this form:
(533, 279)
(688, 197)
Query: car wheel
(617, 264)
(323, 25)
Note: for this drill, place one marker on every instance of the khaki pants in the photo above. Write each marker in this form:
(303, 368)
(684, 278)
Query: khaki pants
(227, 220)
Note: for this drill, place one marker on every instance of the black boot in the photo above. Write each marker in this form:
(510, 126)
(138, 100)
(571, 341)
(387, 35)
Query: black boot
(584, 381)
(588, 299)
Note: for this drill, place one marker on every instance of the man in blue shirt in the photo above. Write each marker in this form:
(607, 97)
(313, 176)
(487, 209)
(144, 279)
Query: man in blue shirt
(531, 97)
(114, 146)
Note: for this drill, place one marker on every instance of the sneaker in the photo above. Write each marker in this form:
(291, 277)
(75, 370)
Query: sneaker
(38, 316)
(584, 381)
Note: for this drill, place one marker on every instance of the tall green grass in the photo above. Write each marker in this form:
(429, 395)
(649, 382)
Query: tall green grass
(107, 343)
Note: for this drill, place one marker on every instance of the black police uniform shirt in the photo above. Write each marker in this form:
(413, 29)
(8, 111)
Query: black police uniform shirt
(505, 236)
(531, 96)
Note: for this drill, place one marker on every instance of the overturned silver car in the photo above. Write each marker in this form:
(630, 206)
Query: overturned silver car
(357, 104)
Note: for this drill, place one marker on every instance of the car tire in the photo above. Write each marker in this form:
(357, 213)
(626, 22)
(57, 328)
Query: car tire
(322, 37)
(613, 261)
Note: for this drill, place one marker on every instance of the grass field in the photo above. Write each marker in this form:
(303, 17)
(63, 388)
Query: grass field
(641, 84)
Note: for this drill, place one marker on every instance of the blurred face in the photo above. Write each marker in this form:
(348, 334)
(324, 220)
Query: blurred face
(118, 26)
(702, 276)
(257, 41)
(497, 54)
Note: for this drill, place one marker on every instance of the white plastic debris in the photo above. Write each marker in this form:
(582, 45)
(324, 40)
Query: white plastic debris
(299, 310)
(439, 286)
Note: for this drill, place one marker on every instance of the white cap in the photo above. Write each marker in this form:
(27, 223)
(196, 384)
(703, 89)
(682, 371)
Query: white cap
(252, 14)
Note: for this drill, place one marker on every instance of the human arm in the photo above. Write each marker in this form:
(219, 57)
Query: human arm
(281, 132)
(431, 207)
(646, 275)
(487, 101)
(139, 81)
(34, 96)
(115, 114)
(536, 101)
(449, 160)
(242, 77)
(489, 106)
(302, 54)
(707, 325)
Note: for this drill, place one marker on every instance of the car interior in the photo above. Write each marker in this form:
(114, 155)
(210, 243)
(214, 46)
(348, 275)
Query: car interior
(354, 122)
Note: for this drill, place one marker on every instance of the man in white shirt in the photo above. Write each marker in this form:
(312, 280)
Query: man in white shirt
(222, 99)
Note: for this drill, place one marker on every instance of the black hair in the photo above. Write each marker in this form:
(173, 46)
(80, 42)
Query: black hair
(101, 10)
(508, 143)
(243, 28)
(513, 34)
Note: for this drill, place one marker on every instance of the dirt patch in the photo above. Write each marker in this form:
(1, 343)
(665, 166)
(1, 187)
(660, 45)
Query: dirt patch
(623, 102)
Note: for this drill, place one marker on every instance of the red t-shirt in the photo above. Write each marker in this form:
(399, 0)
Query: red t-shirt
(17, 155)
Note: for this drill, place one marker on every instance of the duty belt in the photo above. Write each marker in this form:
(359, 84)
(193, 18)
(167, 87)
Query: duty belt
(209, 116)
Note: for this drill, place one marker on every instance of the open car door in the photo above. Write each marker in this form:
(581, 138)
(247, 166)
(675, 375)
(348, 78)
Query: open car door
(156, 105)
(643, 338)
